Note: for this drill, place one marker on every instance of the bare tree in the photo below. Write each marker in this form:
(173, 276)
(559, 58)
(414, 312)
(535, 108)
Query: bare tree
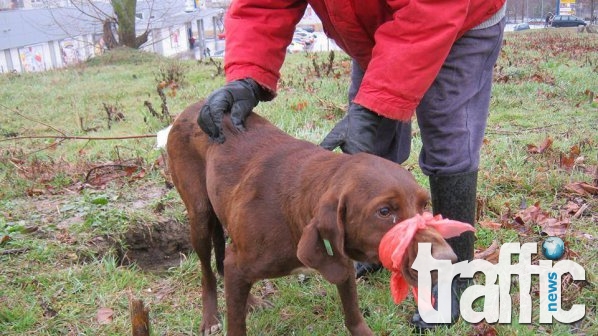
(124, 11)
(119, 19)
(119, 27)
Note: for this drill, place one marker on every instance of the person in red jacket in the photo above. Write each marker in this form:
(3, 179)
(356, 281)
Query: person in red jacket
(431, 58)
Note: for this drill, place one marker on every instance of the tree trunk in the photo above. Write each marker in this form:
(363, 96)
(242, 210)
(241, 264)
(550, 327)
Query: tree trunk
(125, 15)
(109, 38)
(141, 39)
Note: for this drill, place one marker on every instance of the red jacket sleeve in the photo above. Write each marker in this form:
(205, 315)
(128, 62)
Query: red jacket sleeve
(257, 35)
(408, 54)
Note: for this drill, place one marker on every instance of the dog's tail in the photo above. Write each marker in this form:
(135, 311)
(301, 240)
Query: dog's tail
(218, 241)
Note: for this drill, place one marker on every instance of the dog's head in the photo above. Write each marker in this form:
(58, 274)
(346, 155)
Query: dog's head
(370, 195)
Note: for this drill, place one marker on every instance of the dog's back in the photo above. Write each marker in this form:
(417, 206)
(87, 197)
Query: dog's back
(216, 179)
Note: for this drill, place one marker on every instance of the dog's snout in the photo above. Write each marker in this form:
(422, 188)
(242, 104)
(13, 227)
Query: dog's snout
(443, 251)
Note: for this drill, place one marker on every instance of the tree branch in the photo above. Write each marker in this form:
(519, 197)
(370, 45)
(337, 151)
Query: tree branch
(72, 137)
(16, 111)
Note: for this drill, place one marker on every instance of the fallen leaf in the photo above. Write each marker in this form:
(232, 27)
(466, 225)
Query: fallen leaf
(484, 329)
(555, 227)
(490, 225)
(139, 175)
(105, 315)
(130, 170)
(566, 162)
(299, 106)
(544, 146)
(550, 225)
(582, 188)
(160, 161)
(164, 291)
(35, 192)
(575, 150)
(571, 207)
(529, 215)
(48, 310)
(491, 253)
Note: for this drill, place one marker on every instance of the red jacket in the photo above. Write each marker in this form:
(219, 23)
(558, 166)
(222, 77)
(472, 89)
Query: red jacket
(402, 44)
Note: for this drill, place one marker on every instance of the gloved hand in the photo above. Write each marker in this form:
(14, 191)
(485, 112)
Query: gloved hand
(237, 98)
(356, 132)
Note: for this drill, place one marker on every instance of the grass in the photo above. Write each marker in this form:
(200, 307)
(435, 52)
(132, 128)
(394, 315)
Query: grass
(69, 208)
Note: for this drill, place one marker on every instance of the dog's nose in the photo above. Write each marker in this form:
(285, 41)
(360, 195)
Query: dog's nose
(441, 250)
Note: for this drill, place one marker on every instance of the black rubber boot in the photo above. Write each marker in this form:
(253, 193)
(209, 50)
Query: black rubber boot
(454, 197)
(363, 269)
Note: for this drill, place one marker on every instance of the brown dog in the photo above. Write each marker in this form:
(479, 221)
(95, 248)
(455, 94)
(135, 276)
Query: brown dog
(286, 204)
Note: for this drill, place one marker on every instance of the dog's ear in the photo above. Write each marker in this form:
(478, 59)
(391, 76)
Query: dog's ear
(441, 250)
(321, 246)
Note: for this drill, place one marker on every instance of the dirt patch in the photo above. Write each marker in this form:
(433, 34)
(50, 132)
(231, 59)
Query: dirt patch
(156, 243)
(156, 246)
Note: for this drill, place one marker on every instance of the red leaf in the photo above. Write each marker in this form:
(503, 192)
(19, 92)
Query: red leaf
(490, 225)
(582, 188)
(554, 227)
(130, 170)
(484, 329)
(546, 144)
(299, 106)
(567, 161)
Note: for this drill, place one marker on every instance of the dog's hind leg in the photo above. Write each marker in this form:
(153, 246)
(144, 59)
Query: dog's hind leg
(186, 160)
(202, 222)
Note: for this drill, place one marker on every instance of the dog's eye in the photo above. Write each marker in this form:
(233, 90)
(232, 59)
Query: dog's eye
(384, 212)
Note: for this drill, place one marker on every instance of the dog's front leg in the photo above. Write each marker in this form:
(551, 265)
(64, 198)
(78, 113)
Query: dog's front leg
(354, 320)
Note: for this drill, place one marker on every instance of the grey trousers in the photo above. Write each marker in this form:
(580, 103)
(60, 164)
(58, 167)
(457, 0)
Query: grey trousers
(453, 113)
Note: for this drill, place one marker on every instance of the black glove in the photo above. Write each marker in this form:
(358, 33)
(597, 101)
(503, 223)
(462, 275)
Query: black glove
(237, 98)
(356, 132)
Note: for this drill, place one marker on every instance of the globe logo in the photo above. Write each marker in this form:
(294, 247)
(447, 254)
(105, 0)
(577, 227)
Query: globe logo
(553, 248)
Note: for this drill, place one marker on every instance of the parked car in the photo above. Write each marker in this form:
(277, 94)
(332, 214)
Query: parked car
(306, 37)
(307, 28)
(567, 21)
(521, 26)
(306, 40)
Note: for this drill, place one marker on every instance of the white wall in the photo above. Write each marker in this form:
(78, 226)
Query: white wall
(49, 55)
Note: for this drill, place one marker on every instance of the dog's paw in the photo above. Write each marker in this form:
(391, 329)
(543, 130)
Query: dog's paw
(210, 330)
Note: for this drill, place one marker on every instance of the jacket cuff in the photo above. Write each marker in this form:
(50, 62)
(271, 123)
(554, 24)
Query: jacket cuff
(387, 106)
(266, 80)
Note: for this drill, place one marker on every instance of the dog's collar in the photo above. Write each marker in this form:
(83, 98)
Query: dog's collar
(328, 247)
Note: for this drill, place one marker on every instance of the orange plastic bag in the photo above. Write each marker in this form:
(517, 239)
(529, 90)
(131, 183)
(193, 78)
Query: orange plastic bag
(395, 242)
